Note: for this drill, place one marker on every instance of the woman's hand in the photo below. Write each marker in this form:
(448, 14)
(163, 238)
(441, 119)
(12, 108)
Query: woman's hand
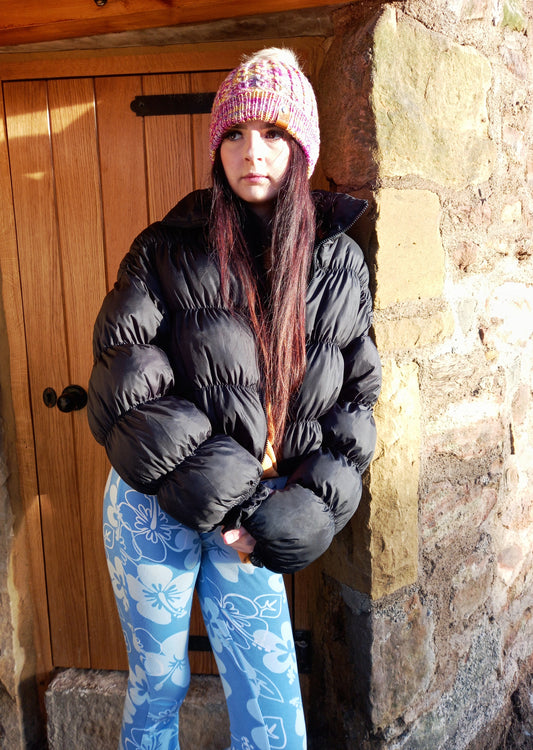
(240, 540)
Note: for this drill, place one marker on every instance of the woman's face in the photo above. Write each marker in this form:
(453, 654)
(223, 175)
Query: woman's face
(255, 156)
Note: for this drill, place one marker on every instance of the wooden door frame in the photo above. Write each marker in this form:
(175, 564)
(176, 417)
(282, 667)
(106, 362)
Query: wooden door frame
(38, 21)
(14, 380)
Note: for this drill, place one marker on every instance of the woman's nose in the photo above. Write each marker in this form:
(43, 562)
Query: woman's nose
(254, 146)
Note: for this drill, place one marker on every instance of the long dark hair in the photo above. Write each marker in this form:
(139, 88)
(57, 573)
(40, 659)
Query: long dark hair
(279, 320)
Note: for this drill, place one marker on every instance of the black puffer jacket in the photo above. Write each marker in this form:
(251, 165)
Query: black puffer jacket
(175, 394)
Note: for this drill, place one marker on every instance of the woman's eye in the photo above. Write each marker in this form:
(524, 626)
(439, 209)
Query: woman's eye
(232, 135)
(274, 134)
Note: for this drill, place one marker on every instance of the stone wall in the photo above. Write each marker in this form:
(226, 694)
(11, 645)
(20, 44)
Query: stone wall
(435, 128)
(21, 724)
(20, 719)
(9, 715)
(423, 634)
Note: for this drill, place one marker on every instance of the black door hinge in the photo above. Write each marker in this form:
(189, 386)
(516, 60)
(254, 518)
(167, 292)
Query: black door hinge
(199, 643)
(302, 643)
(154, 105)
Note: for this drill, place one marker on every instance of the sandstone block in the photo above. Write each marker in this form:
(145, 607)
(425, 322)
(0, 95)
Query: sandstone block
(466, 255)
(513, 15)
(394, 476)
(429, 101)
(451, 379)
(469, 10)
(10, 729)
(467, 430)
(509, 315)
(512, 213)
(471, 585)
(403, 659)
(510, 557)
(515, 57)
(521, 404)
(395, 636)
(516, 517)
(447, 507)
(472, 703)
(413, 333)
(513, 138)
(410, 259)
(84, 711)
(348, 130)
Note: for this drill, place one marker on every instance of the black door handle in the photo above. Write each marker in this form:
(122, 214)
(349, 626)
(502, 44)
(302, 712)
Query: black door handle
(73, 398)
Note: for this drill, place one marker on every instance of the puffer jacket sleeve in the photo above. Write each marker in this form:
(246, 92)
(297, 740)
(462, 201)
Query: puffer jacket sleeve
(294, 526)
(159, 442)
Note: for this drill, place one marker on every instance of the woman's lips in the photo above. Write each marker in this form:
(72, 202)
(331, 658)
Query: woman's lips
(254, 178)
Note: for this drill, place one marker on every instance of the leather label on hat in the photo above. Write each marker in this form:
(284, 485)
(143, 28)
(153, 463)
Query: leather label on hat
(284, 116)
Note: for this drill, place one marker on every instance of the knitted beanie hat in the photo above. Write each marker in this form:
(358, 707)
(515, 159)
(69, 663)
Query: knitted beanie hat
(268, 86)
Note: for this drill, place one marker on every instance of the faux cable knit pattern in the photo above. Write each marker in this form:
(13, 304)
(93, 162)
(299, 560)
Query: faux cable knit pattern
(272, 91)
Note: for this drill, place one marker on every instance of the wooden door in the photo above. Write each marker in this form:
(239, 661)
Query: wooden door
(87, 175)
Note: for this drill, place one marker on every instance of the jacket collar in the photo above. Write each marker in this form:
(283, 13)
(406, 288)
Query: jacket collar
(335, 212)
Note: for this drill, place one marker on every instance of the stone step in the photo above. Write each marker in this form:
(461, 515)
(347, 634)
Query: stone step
(84, 710)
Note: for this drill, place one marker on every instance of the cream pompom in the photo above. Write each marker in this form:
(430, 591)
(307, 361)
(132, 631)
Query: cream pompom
(275, 54)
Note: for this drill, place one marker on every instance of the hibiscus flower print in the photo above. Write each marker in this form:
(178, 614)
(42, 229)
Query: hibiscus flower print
(112, 515)
(170, 663)
(154, 533)
(269, 605)
(160, 595)
(277, 739)
(299, 724)
(137, 693)
(236, 617)
(118, 581)
(279, 652)
(152, 738)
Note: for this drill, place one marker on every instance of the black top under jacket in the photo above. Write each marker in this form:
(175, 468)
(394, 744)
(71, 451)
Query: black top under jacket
(175, 394)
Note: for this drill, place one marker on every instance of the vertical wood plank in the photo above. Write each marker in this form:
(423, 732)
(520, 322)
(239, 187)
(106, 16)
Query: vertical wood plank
(170, 177)
(125, 214)
(306, 589)
(40, 264)
(168, 148)
(306, 584)
(122, 167)
(14, 380)
(77, 183)
(203, 83)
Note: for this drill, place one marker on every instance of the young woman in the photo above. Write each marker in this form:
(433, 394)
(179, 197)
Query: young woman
(233, 388)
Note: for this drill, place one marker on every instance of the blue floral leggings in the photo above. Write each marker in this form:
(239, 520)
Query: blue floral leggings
(155, 564)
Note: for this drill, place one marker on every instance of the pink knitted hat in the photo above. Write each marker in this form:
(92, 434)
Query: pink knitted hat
(270, 87)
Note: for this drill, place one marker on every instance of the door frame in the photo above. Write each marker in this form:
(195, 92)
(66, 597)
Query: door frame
(14, 380)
